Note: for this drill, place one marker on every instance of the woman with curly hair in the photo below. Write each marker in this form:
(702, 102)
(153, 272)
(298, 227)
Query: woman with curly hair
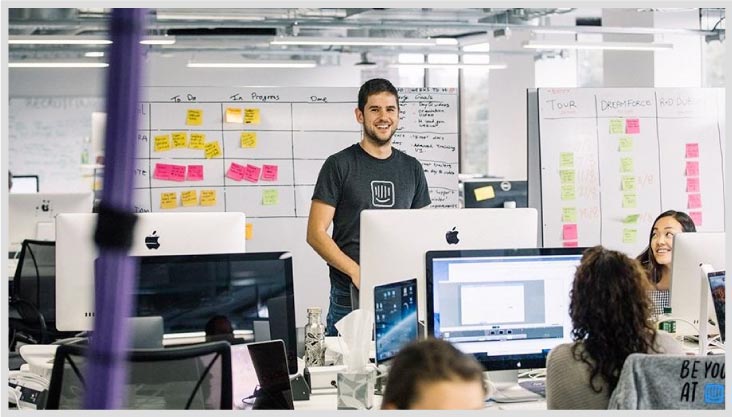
(610, 313)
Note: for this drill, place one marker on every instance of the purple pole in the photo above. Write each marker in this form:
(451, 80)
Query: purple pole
(114, 271)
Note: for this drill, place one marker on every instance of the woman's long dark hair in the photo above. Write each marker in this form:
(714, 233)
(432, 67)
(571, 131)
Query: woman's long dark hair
(646, 257)
(609, 308)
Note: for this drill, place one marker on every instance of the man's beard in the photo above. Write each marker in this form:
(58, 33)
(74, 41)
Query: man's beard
(371, 136)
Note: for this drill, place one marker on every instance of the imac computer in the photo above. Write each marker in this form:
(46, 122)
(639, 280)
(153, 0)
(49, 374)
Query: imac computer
(155, 234)
(394, 242)
(507, 307)
(495, 193)
(31, 216)
(690, 251)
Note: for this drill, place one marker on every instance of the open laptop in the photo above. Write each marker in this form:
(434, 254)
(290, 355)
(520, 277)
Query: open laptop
(395, 318)
(717, 287)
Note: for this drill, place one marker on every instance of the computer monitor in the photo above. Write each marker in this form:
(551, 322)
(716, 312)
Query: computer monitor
(495, 194)
(25, 184)
(188, 290)
(506, 307)
(154, 234)
(690, 251)
(395, 319)
(31, 216)
(717, 287)
(394, 242)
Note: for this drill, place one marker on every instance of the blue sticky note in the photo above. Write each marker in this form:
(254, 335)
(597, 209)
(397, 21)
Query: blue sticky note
(714, 393)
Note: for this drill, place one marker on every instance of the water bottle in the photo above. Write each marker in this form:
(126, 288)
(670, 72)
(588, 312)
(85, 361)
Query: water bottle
(314, 339)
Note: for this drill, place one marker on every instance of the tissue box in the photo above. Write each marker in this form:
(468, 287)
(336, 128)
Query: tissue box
(356, 390)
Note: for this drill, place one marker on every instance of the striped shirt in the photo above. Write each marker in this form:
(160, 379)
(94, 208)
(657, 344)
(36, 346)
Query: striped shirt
(660, 300)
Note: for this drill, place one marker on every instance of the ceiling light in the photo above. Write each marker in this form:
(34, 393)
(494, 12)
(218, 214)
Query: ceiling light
(158, 40)
(94, 54)
(624, 46)
(57, 40)
(180, 16)
(57, 64)
(254, 64)
(449, 66)
(312, 40)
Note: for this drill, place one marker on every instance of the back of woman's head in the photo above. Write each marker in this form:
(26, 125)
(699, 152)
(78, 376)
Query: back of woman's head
(610, 309)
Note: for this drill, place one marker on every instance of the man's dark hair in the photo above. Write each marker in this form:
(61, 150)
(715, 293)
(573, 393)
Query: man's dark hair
(219, 325)
(375, 86)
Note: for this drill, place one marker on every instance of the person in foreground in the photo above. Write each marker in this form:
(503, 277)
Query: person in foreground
(434, 375)
(656, 258)
(610, 312)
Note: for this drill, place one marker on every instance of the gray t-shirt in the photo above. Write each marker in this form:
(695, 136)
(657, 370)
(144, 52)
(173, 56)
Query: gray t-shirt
(352, 180)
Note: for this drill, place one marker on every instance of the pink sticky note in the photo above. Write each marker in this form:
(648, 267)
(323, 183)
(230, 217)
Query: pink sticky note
(569, 232)
(195, 172)
(269, 172)
(569, 243)
(178, 172)
(251, 173)
(692, 168)
(694, 201)
(632, 126)
(692, 185)
(692, 150)
(162, 171)
(236, 172)
(696, 216)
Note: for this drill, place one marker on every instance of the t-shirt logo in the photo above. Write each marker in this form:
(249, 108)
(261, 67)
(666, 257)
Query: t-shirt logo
(382, 193)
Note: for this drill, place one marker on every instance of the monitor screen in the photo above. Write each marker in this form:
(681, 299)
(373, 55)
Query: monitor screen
(32, 216)
(717, 287)
(508, 308)
(493, 194)
(395, 317)
(24, 184)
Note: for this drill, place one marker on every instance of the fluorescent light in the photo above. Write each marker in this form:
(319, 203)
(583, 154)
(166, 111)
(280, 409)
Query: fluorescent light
(312, 40)
(180, 16)
(449, 66)
(254, 64)
(57, 64)
(625, 46)
(94, 54)
(57, 40)
(158, 40)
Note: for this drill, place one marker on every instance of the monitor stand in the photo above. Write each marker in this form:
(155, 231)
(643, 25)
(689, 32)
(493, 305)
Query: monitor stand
(508, 389)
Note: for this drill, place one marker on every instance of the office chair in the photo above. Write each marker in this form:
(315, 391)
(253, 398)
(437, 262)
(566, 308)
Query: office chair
(177, 378)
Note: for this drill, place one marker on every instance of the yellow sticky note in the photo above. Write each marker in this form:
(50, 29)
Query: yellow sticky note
(208, 197)
(249, 231)
(617, 126)
(630, 235)
(194, 117)
(270, 197)
(566, 160)
(168, 200)
(629, 201)
(567, 176)
(251, 116)
(626, 164)
(180, 140)
(212, 149)
(248, 139)
(628, 183)
(484, 193)
(625, 144)
(631, 219)
(162, 143)
(569, 215)
(567, 192)
(188, 198)
(234, 115)
(198, 141)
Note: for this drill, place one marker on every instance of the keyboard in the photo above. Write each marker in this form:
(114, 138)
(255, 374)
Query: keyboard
(537, 386)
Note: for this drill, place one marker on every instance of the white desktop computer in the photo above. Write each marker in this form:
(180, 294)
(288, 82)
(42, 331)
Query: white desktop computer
(32, 216)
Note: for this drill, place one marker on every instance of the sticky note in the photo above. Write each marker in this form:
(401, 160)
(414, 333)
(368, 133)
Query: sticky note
(627, 183)
(694, 201)
(270, 197)
(180, 140)
(195, 173)
(198, 141)
(188, 198)
(234, 115)
(212, 150)
(566, 176)
(162, 171)
(569, 243)
(569, 214)
(566, 160)
(251, 116)
(631, 219)
(626, 164)
(251, 173)
(178, 172)
(162, 143)
(692, 185)
(625, 144)
(235, 171)
(484, 193)
(692, 150)
(208, 197)
(569, 231)
(168, 200)
(194, 117)
(632, 126)
(696, 216)
(249, 231)
(692, 168)
(568, 192)
(269, 172)
(630, 201)
(616, 126)
(630, 235)
(248, 139)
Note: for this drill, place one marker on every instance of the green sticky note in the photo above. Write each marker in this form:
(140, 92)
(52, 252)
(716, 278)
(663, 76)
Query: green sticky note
(628, 183)
(629, 201)
(631, 219)
(630, 235)
(625, 144)
(270, 197)
(567, 176)
(566, 160)
(626, 164)
(569, 215)
(567, 192)
(617, 126)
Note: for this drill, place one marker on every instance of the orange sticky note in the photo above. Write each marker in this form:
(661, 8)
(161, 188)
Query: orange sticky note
(180, 140)
(249, 231)
(194, 117)
(208, 197)
(234, 115)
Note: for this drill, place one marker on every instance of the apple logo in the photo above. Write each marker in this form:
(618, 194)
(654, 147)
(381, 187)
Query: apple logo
(152, 241)
(452, 236)
(45, 207)
(518, 364)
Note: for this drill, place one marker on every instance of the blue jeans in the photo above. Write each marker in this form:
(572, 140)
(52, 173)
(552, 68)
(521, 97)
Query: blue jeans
(340, 306)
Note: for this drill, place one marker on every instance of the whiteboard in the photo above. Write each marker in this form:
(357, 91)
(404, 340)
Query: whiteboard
(613, 159)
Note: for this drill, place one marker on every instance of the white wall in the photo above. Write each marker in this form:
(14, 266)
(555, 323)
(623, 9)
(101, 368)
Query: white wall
(681, 67)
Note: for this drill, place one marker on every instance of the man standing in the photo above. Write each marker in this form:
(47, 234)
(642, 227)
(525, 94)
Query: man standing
(367, 175)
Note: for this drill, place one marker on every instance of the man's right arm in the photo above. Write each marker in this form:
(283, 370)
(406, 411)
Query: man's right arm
(319, 220)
